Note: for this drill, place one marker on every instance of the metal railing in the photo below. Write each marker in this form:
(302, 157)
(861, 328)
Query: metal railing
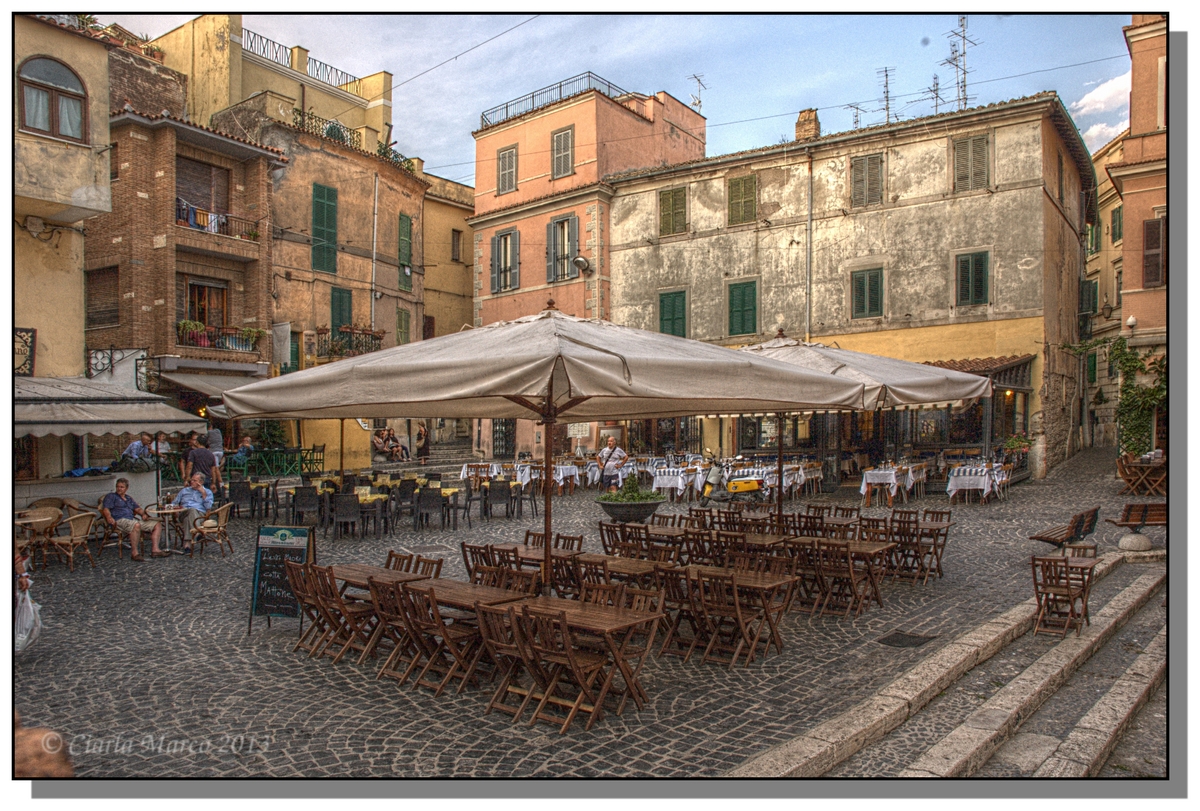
(190, 216)
(281, 54)
(392, 156)
(346, 344)
(229, 338)
(549, 95)
(266, 48)
(333, 130)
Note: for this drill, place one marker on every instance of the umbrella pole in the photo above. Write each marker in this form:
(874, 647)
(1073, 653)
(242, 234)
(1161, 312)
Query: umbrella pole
(779, 469)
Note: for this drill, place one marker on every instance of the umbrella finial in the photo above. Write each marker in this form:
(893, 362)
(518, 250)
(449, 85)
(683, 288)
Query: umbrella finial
(779, 333)
(550, 304)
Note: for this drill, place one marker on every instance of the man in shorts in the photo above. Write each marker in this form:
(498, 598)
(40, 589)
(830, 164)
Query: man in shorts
(610, 459)
(121, 511)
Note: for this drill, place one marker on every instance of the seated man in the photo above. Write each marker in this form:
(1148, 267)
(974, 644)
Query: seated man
(139, 448)
(121, 511)
(245, 448)
(197, 500)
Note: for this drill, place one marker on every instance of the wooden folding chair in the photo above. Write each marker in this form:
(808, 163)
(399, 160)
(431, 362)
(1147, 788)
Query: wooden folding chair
(732, 626)
(847, 584)
(572, 543)
(457, 646)
(681, 606)
(399, 561)
(351, 623)
(811, 588)
(300, 579)
(638, 642)
(500, 632)
(1059, 596)
(430, 567)
(565, 577)
(390, 629)
(610, 536)
(579, 679)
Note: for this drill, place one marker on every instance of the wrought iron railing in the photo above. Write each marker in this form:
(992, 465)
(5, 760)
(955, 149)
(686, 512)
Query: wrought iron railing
(100, 361)
(230, 338)
(281, 54)
(333, 130)
(190, 216)
(549, 95)
(331, 75)
(266, 48)
(347, 344)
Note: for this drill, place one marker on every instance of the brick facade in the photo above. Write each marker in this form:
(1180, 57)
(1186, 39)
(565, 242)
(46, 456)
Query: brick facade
(145, 83)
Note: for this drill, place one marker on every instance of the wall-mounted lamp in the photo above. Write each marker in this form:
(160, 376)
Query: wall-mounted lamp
(1131, 322)
(1106, 311)
(583, 264)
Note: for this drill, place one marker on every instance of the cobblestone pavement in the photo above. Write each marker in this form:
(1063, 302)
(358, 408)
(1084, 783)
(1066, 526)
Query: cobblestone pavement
(146, 669)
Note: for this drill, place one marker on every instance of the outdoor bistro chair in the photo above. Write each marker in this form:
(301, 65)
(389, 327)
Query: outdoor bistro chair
(392, 630)
(429, 567)
(811, 587)
(1059, 596)
(305, 506)
(697, 547)
(846, 584)
(506, 558)
(910, 555)
(44, 520)
(213, 527)
(588, 572)
(579, 680)
(573, 543)
(565, 577)
(535, 538)
(485, 575)
(346, 513)
(398, 561)
(638, 644)
(634, 540)
(499, 494)
(679, 601)
(732, 626)
(351, 623)
(471, 495)
(524, 581)
(429, 501)
(241, 496)
(475, 555)
(64, 546)
(610, 536)
(500, 631)
(300, 578)
(456, 647)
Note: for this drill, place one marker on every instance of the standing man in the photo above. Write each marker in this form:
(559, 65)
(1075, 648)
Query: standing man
(201, 460)
(121, 511)
(197, 500)
(216, 443)
(610, 459)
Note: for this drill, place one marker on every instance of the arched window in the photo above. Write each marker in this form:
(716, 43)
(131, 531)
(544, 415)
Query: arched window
(53, 100)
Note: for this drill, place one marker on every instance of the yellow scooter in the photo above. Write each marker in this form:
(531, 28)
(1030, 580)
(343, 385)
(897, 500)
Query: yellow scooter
(718, 488)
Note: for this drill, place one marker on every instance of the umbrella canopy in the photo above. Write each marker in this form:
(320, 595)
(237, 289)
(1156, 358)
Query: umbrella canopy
(886, 382)
(545, 367)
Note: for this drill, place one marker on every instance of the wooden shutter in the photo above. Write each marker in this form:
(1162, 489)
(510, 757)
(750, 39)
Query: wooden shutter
(858, 182)
(741, 199)
(572, 247)
(515, 255)
(324, 228)
(102, 293)
(1091, 367)
(495, 264)
(666, 220)
(964, 278)
(742, 309)
(979, 162)
(962, 165)
(874, 179)
(506, 171)
(202, 185)
(1154, 252)
(403, 318)
(749, 198)
(340, 310)
(979, 278)
(405, 251)
(551, 251)
(672, 315)
(875, 292)
(970, 163)
(858, 295)
(564, 149)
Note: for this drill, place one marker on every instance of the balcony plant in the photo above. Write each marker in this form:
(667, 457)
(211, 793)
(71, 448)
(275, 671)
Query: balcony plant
(631, 502)
(252, 335)
(322, 330)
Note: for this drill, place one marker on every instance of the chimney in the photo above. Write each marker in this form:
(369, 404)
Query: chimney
(808, 127)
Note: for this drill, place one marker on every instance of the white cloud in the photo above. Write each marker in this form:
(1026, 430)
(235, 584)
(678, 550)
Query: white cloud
(1100, 134)
(1111, 96)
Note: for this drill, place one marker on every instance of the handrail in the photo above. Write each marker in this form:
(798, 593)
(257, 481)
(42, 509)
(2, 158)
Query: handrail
(549, 95)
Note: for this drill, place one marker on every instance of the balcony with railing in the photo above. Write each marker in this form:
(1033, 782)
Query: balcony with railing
(233, 339)
(549, 95)
(348, 342)
(333, 130)
(282, 55)
(190, 216)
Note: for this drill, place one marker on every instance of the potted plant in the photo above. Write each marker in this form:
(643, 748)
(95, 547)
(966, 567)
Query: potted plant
(251, 335)
(322, 330)
(191, 332)
(631, 503)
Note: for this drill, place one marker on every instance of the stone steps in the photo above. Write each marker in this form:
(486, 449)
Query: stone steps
(897, 735)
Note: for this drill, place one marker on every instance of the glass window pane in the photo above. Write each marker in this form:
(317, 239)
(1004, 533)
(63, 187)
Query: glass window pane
(55, 74)
(37, 109)
(70, 117)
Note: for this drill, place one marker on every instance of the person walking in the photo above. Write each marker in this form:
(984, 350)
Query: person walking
(422, 443)
(610, 460)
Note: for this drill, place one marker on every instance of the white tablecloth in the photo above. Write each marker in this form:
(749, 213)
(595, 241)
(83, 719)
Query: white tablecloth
(593, 472)
(564, 472)
(677, 479)
(493, 469)
(879, 477)
(972, 478)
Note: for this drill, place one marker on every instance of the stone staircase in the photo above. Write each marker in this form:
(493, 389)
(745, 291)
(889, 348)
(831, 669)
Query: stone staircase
(446, 458)
(1001, 702)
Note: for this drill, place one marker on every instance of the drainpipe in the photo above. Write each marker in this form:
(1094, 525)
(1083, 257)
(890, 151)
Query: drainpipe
(374, 237)
(808, 256)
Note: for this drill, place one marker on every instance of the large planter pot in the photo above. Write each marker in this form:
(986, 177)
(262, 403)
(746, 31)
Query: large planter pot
(626, 512)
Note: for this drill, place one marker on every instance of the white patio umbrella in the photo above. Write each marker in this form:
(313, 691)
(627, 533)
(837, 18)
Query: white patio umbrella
(545, 367)
(886, 381)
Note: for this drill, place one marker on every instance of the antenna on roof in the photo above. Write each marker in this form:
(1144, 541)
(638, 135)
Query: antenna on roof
(700, 85)
(858, 111)
(959, 42)
(886, 73)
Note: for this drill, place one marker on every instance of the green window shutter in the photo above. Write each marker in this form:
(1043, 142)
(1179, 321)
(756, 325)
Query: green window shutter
(875, 292)
(514, 278)
(866, 293)
(742, 198)
(979, 162)
(672, 314)
(404, 255)
(324, 228)
(1091, 367)
(551, 251)
(972, 272)
(1154, 252)
(874, 184)
(734, 203)
(858, 295)
(964, 278)
(495, 264)
(340, 309)
(858, 182)
(572, 247)
(1117, 227)
(403, 321)
(749, 198)
(743, 309)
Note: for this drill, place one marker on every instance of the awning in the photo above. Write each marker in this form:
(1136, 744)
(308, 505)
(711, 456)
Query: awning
(59, 406)
(212, 385)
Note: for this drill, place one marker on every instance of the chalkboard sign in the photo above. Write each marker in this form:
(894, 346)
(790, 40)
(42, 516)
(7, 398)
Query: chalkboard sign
(272, 595)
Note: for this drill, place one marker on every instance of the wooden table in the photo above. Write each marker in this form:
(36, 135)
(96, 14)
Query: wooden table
(635, 569)
(843, 521)
(608, 622)
(457, 594)
(357, 574)
(672, 534)
(763, 541)
(764, 587)
(872, 554)
(1146, 478)
(534, 553)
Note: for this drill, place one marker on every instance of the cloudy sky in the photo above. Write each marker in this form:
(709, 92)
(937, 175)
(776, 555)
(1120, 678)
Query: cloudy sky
(758, 70)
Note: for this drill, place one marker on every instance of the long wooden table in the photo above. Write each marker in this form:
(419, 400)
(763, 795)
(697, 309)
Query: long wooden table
(635, 569)
(871, 554)
(763, 587)
(357, 574)
(457, 594)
